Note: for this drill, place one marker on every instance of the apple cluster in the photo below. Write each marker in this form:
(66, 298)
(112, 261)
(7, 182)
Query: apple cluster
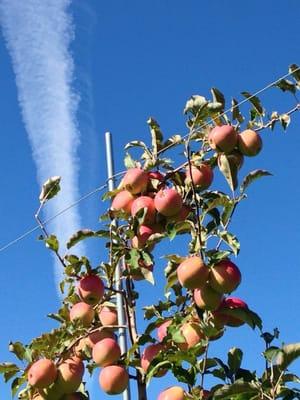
(60, 380)
(162, 203)
(156, 200)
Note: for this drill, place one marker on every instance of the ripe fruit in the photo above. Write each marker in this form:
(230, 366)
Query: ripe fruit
(223, 138)
(113, 379)
(192, 273)
(148, 354)
(108, 315)
(82, 311)
(143, 235)
(168, 202)
(96, 336)
(224, 277)
(231, 303)
(91, 289)
(202, 175)
(42, 373)
(249, 143)
(144, 202)
(181, 216)
(69, 376)
(207, 298)
(90, 341)
(172, 393)
(123, 202)
(156, 175)
(192, 334)
(162, 329)
(135, 180)
(106, 352)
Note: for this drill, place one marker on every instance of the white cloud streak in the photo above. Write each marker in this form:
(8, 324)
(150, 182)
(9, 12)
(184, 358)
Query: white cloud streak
(38, 34)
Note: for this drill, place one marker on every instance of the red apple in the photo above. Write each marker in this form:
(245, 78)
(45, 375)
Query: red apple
(202, 175)
(113, 379)
(223, 138)
(192, 334)
(106, 352)
(168, 202)
(42, 373)
(84, 312)
(162, 329)
(108, 315)
(148, 355)
(207, 299)
(69, 377)
(225, 277)
(144, 202)
(135, 180)
(182, 215)
(123, 202)
(91, 289)
(192, 273)
(231, 303)
(249, 143)
(140, 240)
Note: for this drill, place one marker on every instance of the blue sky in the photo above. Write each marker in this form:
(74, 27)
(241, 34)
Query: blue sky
(132, 60)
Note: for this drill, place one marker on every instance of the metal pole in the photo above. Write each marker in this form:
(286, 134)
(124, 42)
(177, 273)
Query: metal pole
(118, 282)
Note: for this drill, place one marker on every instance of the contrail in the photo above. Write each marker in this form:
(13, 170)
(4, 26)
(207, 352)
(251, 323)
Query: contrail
(38, 34)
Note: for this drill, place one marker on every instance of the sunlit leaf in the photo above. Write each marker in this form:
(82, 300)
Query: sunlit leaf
(50, 189)
(252, 176)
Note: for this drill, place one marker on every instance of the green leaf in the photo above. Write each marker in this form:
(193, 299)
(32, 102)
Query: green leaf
(231, 240)
(50, 189)
(218, 97)
(285, 120)
(16, 384)
(136, 143)
(156, 135)
(112, 193)
(254, 100)
(129, 161)
(252, 176)
(286, 85)
(246, 315)
(184, 375)
(272, 353)
(236, 114)
(52, 243)
(235, 357)
(8, 370)
(195, 104)
(18, 349)
(294, 69)
(289, 353)
(228, 391)
(229, 170)
(79, 236)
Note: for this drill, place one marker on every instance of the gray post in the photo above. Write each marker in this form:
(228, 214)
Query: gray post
(119, 297)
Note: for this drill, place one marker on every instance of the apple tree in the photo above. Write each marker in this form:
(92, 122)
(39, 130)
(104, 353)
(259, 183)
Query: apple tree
(156, 201)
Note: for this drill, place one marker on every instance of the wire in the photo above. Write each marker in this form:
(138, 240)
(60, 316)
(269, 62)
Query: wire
(62, 211)
(98, 189)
